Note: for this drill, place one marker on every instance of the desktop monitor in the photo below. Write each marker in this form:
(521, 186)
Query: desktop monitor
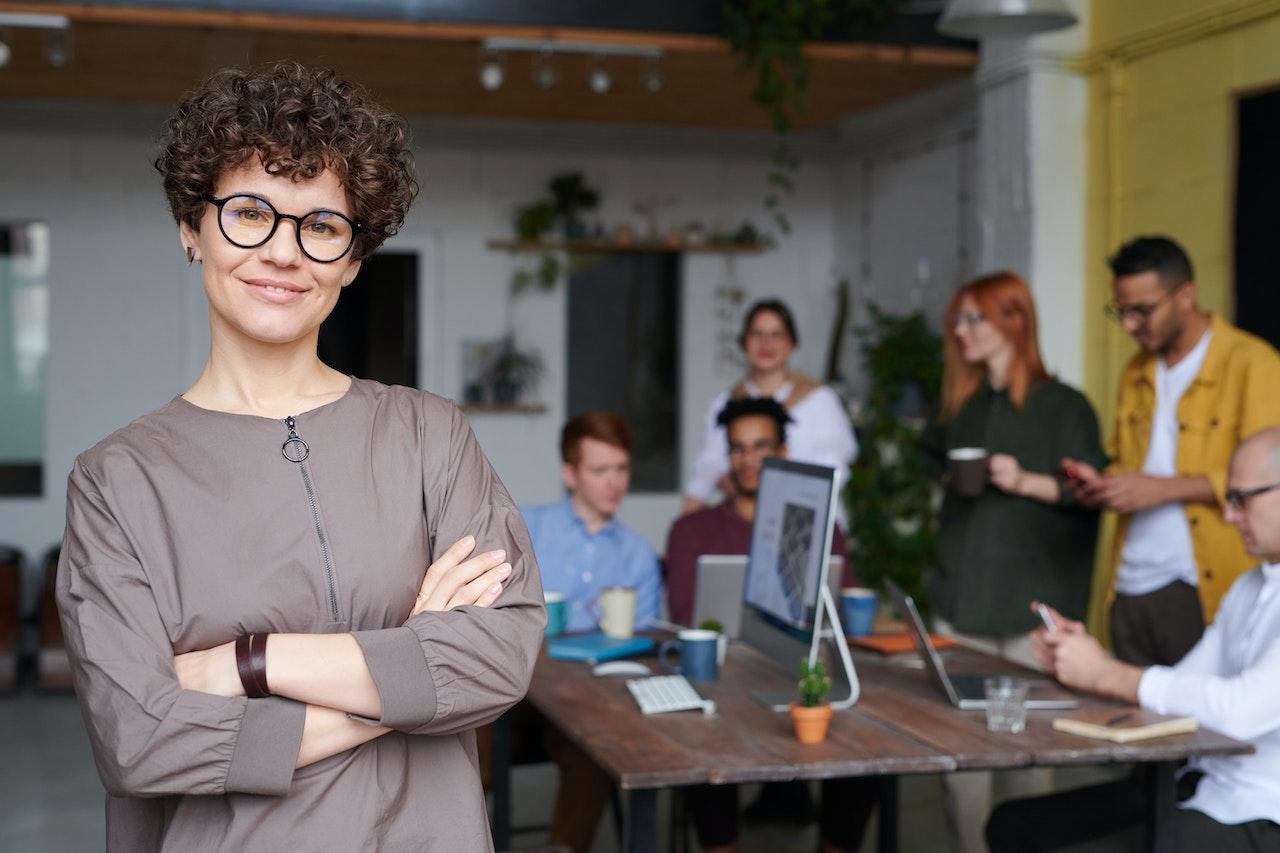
(790, 543)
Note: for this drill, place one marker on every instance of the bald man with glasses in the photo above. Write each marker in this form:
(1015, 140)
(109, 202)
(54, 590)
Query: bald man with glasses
(1186, 399)
(1227, 682)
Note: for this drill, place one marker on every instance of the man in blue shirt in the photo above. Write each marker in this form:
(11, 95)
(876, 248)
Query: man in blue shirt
(582, 551)
(581, 548)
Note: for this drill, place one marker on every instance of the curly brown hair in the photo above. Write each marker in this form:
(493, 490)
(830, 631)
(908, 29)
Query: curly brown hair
(299, 121)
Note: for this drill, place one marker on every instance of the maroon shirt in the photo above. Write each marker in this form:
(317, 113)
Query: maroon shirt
(718, 530)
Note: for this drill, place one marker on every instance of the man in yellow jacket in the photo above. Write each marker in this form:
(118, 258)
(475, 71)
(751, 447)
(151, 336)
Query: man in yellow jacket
(1197, 388)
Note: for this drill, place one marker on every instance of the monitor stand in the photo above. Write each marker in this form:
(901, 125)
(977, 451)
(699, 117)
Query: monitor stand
(833, 630)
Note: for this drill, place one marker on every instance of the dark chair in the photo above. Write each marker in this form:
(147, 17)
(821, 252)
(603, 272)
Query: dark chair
(53, 669)
(11, 567)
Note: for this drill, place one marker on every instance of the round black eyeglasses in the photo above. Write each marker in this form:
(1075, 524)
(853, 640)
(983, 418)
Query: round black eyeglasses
(248, 221)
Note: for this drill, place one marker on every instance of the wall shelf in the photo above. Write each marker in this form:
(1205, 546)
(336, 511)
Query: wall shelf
(503, 408)
(604, 246)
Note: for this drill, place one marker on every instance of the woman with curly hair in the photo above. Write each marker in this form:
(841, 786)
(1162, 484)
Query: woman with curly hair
(289, 595)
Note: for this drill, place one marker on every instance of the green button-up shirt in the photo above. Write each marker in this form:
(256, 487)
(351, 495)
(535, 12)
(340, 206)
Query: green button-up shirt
(998, 552)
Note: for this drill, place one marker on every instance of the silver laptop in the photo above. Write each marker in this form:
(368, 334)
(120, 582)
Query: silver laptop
(963, 691)
(717, 593)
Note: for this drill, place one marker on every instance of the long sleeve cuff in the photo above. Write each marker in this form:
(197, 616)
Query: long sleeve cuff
(401, 674)
(267, 747)
(1153, 689)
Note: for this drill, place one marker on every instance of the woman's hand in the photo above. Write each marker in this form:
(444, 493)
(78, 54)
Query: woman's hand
(454, 581)
(210, 670)
(1006, 473)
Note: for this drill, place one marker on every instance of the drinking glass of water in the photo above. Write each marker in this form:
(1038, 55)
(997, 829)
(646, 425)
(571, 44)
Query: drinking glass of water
(1006, 703)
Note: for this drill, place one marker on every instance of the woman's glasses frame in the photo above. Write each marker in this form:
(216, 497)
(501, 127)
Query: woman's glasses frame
(220, 203)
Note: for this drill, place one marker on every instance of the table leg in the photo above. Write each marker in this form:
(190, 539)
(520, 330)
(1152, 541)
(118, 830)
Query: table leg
(642, 822)
(1161, 805)
(500, 768)
(888, 832)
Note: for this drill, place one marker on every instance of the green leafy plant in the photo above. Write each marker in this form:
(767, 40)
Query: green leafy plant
(534, 220)
(572, 196)
(814, 685)
(712, 625)
(513, 371)
(769, 36)
(891, 493)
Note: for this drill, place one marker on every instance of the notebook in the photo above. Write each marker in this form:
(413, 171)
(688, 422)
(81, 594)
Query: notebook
(896, 644)
(1123, 725)
(594, 648)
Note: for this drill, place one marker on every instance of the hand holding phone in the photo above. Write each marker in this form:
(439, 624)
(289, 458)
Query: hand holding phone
(1046, 618)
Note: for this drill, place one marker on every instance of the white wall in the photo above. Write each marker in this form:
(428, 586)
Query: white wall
(905, 219)
(128, 316)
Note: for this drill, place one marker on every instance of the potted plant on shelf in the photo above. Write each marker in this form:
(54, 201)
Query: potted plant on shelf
(571, 197)
(512, 372)
(810, 713)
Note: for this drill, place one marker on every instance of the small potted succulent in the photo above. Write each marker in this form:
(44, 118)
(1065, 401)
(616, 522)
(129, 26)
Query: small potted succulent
(722, 642)
(512, 372)
(810, 713)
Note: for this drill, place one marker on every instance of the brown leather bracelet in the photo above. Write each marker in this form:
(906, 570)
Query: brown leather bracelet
(244, 666)
(258, 663)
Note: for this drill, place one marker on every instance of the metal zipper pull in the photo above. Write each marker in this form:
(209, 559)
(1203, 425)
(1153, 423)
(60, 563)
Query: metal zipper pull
(294, 448)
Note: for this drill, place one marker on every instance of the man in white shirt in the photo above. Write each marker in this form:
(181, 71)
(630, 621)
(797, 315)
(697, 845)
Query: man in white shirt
(1228, 682)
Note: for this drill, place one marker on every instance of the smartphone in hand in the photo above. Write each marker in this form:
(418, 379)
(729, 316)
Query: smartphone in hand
(1046, 618)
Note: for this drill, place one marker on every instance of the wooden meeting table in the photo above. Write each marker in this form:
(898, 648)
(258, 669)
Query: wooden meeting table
(901, 724)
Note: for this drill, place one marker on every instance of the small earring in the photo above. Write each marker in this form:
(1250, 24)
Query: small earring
(191, 255)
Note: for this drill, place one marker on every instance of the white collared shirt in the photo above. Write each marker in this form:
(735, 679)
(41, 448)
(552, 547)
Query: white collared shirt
(1230, 682)
(1157, 549)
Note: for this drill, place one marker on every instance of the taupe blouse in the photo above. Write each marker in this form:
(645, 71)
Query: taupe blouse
(189, 527)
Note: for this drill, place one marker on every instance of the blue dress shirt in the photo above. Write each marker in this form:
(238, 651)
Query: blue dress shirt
(580, 565)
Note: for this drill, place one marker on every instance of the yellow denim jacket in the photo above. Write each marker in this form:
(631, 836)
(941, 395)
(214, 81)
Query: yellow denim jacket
(1236, 393)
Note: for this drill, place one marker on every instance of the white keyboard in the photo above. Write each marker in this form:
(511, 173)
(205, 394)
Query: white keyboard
(662, 693)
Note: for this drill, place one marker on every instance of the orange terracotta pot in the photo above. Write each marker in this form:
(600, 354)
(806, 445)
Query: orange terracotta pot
(810, 723)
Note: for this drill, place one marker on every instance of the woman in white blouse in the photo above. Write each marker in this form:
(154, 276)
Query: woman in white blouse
(820, 432)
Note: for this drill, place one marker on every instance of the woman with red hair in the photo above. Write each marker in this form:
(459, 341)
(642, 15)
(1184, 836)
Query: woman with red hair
(1022, 537)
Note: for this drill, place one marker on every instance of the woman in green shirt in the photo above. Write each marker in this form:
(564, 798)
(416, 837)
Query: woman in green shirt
(1023, 537)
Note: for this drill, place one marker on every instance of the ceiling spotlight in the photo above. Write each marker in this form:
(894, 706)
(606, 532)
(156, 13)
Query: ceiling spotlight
(57, 49)
(5, 52)
(599, 79)
(492, 72)
(544, 70)
(652, 77)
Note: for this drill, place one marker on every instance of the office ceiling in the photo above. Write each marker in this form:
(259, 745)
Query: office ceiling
(424, 57)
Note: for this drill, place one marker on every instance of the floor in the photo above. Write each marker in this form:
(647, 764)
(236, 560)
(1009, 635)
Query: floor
(51, 800)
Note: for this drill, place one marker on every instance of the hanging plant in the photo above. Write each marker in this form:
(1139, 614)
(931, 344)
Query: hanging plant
(769, 36)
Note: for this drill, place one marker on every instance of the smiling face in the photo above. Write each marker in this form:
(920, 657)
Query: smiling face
(274, 293)
(979, 338)
(767, 342)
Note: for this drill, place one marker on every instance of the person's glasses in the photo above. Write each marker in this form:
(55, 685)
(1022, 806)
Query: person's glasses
(1141, 312)
(248, 221)
(760, 448)
(769, 336)
(969, 318)
(1235, 498)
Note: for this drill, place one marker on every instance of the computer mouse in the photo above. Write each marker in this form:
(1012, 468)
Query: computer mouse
(621, 667)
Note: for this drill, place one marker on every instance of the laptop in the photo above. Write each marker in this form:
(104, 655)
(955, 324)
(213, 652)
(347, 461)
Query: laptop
(963, 691)
(717, 592)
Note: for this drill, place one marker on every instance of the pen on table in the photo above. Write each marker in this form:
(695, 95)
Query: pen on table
(1118, 718)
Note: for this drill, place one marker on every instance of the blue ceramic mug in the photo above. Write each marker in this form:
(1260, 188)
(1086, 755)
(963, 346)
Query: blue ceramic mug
(698, 653)
(858, 610)
(557, 613)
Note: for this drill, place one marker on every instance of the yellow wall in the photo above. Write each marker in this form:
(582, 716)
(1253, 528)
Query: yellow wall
(1164, 77)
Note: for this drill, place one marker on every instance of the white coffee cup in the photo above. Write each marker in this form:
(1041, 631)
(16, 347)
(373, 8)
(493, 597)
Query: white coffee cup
(617, 608)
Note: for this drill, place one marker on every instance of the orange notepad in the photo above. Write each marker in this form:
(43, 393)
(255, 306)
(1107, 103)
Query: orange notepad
(1122, 725)
(896, 644)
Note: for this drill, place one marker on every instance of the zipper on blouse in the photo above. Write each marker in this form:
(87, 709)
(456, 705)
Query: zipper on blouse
(296, 450)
